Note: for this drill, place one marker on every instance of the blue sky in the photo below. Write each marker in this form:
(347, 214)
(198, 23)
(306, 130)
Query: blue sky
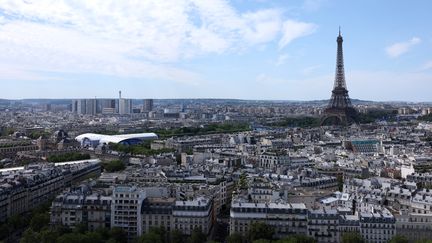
(246, 49)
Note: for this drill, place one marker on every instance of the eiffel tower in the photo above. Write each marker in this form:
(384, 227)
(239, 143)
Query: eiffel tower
(339, 111)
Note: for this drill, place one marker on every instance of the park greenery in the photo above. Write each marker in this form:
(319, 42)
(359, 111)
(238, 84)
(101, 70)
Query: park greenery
(160, 235)
(352, 237)
(113, 166)
(425, 118)
(203, 130)
(138, 149)
(38, 134)
(228, 127)
(35, 227)
(362, 118)
(376, 115)
(36, 219)
(303, 122)
(263, 233)
(6, 131)
(70, 156)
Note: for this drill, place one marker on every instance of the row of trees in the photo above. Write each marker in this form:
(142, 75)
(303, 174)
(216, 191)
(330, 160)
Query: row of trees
(263, 233)
(303, 122)
(191, 131)
(37, 219)
(141, 149)
(113, 166)
(369, 117)
(79, 235)
(427, 117)
(377, 114)
(160, 235)
(207, 129)
(70, 156)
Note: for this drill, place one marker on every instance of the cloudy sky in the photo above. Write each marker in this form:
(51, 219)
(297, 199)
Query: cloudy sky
(246, 49)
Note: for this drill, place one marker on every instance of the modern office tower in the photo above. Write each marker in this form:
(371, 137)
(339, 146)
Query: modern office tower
(81, 107)
(147, 105)
(106, 106)
(339, 110)
(90, 106)
(125, 106)
(74, 106)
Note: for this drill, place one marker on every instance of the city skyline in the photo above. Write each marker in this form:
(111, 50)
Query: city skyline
(255, 50)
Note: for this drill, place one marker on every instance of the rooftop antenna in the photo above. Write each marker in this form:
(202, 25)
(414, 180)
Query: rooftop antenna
(119, 94)
(339, 31)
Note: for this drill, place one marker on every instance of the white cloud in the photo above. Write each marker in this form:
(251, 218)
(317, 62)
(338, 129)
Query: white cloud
(312, 5)
(400, 48)
(426, 66)
(292, 29)
(311, 69)
(281, 59)
(133, 38)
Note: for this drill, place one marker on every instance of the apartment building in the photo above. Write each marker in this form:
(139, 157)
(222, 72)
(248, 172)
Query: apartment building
(197, 213)
(157, 212)
(323, 225)
(24, 188)
(270, 160)
(126, 209)
(414, 226)
(377, 226)
(286, 218)
(74, 208)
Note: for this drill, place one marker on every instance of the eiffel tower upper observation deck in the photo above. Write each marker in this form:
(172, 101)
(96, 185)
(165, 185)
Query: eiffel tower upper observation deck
(339, 110)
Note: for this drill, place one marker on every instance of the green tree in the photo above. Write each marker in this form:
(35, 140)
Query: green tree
(118, 234)
(155, 235)
(398, 239)
(176, 236)
(197, 236)
(352, 237)
(48, 236)
(17, 222)
(70, 156)
(261, 241)
(297, 239)
(243, 183)
(235, 238)
(260, 230)
(92, 237)
(29, 236)
(424, 241)
(80, 228)
(340, 182)
(39, 221)
(71, 238)
(4, 231)
(113, 166)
